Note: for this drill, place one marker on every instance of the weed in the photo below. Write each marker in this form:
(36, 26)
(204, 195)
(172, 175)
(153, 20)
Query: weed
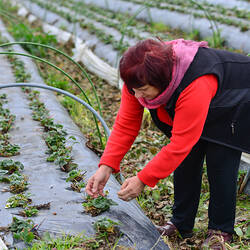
(22, 33)
(64, 242)
(53, 80)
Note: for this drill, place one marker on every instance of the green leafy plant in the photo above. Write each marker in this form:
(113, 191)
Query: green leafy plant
(22, 229)
(3, 98)
(3, 177)
(75, 176)
(96, 206)
(64, 242)
(18, 200)
(66, 163)
(22, 33)
(6, 120)
(29, 212)
(11, 165)
(59, 69)
(18, 183)
(106, 226)
(77, 186)
(19, 70)
(7, 149)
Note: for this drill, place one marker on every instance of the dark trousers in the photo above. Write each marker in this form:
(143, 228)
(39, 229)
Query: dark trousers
(222, 169)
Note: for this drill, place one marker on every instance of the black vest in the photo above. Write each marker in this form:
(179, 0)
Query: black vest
(228, 119)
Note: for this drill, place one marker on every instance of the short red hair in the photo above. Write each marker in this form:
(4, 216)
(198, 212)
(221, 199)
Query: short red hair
(148, 62)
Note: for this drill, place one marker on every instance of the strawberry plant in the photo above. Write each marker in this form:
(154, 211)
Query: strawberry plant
(107, 229)
(6, 120)
(23, 229)
(18, 200)
(11, 165)
(7, 149)
(75, 176)
(3, 98)
(106, 226)
(4, 137)
(19, 72)
(55, 140)
(77, 179)
(77, 186)
(66, 163)
(96, 206)
(18, 183)
(33, 210)
(3, 177)
(28, 212)
(54, 155)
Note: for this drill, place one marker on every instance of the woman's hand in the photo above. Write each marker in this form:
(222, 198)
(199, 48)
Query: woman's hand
(97, 182)
(131, 188)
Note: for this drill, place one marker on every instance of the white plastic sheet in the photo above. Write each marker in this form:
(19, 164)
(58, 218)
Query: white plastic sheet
(96, 65)
(2, 245)
(23, 12)
(32, 18)
(232, 35)
(61, 35)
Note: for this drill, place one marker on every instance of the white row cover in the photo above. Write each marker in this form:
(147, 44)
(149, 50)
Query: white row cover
(2, 245)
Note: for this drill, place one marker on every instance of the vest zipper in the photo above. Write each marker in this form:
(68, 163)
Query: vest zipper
(235, 117)
(233, 127)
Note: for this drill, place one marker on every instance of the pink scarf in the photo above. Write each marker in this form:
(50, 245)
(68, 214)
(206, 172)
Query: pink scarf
(183, 54)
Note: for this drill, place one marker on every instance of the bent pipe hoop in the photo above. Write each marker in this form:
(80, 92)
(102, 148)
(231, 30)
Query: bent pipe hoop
(9, 85)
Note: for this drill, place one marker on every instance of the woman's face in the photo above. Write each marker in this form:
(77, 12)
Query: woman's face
(147, 92)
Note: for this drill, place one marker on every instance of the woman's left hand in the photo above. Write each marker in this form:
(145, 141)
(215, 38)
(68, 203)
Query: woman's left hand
(131, 188)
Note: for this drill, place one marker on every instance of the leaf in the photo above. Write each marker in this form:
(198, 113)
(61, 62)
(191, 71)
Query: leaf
(238, 231)
(248, 232)
(156, 194)
(28, 237)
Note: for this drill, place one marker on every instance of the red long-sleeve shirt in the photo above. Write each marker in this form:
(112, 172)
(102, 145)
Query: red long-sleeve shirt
(190, 115)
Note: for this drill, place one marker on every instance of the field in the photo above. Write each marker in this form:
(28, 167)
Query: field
(75, 46)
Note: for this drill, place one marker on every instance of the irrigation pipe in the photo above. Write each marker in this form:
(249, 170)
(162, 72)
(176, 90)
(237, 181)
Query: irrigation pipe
(94, 112)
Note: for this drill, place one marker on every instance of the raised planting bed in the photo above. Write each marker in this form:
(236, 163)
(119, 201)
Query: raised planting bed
(47, 184)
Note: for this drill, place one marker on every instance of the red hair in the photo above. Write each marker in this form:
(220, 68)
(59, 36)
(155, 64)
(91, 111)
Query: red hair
(148, 62)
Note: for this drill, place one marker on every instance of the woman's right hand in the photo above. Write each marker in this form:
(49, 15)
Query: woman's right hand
(97, 182)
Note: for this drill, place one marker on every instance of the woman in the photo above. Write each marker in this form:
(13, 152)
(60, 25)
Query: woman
(200, 98)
